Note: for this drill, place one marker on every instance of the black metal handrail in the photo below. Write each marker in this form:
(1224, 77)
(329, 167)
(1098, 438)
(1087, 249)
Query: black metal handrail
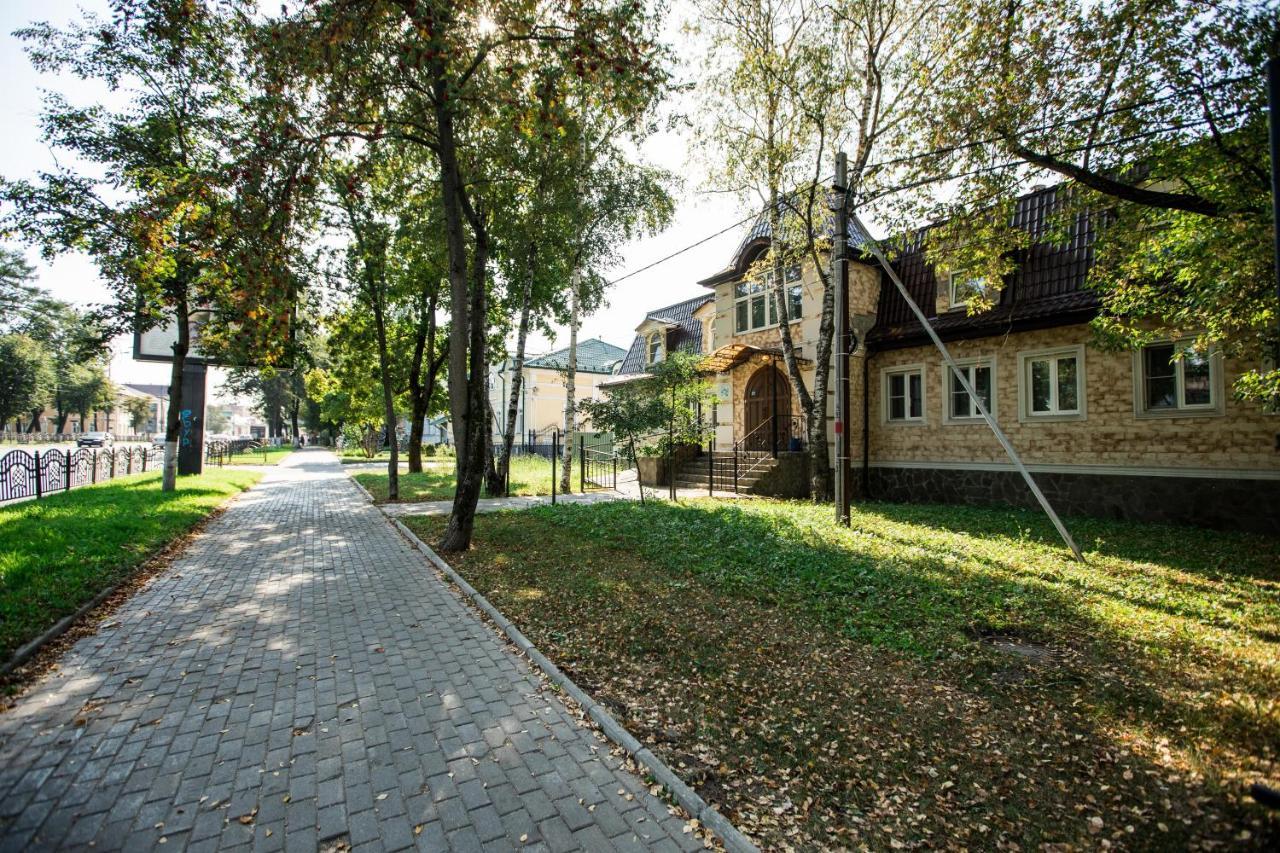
(759, 447)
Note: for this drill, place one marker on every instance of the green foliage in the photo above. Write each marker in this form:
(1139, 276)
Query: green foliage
(665, 404)
(26, 376)
(216, 418)
(170, 194)
(139, 410)
(16, 289)
(1154, 116)
(57, 553)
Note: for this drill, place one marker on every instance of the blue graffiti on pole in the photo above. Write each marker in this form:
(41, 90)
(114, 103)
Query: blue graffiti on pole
(188, 426)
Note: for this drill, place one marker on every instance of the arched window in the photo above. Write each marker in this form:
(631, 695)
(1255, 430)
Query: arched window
(655, 347)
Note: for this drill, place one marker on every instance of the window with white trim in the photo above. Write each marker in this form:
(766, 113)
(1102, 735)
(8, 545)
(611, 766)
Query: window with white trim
(904, 395)
(963, 287)
(755, 306)
(1052, 383)
(1174, 378)
(655, 347)
(981, 374)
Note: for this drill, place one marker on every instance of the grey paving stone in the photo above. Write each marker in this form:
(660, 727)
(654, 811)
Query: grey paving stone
(300, 647)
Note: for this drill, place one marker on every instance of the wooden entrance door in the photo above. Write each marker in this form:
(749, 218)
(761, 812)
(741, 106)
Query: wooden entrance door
(768, 393)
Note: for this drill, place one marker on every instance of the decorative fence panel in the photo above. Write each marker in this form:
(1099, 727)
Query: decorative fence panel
(39, 473)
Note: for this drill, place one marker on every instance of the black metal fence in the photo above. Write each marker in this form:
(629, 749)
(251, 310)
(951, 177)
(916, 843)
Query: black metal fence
(597, 464)
(220, 451)
(60, 437)
(39, 473)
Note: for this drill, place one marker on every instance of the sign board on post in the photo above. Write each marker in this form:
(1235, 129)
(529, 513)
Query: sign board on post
(157, 345)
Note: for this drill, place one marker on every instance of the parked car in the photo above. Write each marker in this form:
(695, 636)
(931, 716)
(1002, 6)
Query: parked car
(95, 439)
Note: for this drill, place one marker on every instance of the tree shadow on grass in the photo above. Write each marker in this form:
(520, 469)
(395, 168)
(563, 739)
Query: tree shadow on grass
(772, 673)
(932, 600)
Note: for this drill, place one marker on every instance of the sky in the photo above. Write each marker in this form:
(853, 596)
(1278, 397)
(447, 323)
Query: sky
(74, 278)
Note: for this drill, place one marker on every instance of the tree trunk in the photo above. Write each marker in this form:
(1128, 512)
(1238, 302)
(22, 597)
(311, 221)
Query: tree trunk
(571, 371)
(820, 475)
(495, 482)
(173, 423)
(388, 401)
(417, 404)
(468, 402)
(517, 375)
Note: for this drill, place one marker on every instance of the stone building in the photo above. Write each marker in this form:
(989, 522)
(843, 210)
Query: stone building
(1152, 434)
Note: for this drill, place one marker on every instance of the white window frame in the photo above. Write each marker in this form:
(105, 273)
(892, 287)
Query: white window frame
(763, 285)
(1025, 359)
(952, 301)
(652, 355)
(976, 361)
(886, 373)
(1213, 408)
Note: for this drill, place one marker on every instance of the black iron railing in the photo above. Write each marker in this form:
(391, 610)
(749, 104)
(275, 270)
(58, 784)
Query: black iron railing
(38, 473)
(597, 464)
(754, 451)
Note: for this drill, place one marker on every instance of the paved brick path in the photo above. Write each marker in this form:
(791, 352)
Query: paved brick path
(300, 675)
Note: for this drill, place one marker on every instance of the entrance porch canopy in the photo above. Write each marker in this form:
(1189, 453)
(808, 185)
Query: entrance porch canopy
(729, 356)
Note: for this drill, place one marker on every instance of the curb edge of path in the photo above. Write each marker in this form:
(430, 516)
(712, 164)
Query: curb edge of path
(733, 839)
(26, 652)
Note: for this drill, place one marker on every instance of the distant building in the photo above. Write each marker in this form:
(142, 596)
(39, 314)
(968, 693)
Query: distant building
(156, 395)
(540, 407)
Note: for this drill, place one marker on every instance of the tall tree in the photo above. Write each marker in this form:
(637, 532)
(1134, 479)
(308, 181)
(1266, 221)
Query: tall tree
(1152, 115)
(788, 84)
(443, 75)
(26, 376)
(175, 213)
(139, 411)
(17, 288)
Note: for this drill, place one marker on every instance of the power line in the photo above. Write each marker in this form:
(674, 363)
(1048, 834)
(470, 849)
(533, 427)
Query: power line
(955, 176)
(710, 237)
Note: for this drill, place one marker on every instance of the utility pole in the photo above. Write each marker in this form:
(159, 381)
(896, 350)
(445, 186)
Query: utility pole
(1273, 107)
(840, 281)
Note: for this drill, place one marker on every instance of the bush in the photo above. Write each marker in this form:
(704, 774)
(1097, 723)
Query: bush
(428, 450)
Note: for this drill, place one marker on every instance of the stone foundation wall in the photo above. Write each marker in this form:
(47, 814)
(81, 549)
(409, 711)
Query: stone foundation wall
(1229, 504)
(788, 479)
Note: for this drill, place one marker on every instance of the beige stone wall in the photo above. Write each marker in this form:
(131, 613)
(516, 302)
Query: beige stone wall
(864, 296)
(1241, 438)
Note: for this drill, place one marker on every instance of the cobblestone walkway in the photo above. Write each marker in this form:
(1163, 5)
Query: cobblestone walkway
(300, 676)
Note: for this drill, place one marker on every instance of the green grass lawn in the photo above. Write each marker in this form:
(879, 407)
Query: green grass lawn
(261, 456)
(57, 553)
(530, 475)
(932, 675)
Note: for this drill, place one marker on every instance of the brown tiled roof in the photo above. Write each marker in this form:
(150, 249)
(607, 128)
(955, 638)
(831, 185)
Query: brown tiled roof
(1046, 287)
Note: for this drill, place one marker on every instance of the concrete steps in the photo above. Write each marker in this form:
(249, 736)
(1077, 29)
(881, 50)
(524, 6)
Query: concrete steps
(751, 467)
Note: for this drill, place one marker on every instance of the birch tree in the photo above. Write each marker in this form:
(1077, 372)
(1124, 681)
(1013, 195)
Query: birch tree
(788, 84)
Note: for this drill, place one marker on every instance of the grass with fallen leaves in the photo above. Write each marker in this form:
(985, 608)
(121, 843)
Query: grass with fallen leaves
(530, 475)
(59, 552)
(932, 676)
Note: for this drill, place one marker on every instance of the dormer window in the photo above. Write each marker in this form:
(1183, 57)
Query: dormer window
(755, 306)
(655, 347)
(963, 288)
